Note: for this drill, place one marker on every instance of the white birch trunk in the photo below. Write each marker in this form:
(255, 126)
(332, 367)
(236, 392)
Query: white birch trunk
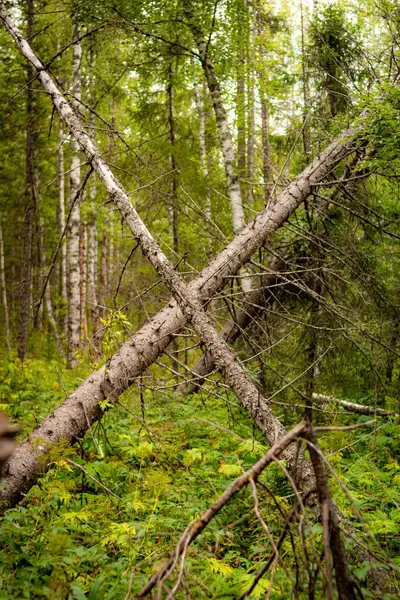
(92, 250)
(225, 136)
(92, 254)
(4, 292)
(61, 220)
(74, 208)
(82, 281)
(202, 143)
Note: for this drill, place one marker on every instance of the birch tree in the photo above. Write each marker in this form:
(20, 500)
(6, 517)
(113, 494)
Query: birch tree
(74, 215)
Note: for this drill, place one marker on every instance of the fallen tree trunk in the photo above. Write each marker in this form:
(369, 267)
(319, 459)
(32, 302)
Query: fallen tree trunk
(360, 409)
(72, 419)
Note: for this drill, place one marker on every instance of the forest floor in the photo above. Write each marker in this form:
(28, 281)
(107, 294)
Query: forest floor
(111, 509)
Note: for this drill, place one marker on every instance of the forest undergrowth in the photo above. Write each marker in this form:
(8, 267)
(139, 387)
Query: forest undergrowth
(111, 509)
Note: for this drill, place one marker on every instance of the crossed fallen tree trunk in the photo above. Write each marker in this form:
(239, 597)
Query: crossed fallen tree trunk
(72, 419)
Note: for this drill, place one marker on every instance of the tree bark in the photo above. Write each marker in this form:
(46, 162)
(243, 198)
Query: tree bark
(92, 250)
(82, 281)
(81, 408)
(92, 256)
(26, 269)
(47, 293)
(4, 292)
(172, 163)
(173, 206)
(202, 143)
(74, 221)
(266, 148)
(61, 221)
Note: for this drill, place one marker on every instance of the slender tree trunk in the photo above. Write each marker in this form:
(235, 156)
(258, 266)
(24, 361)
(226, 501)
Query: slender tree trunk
(38, 280)
(74, 221)
(4, 292)
(92, 225)
(174, 214)
(102, 292)
(202, 142)
(228, 152)
(262, 78)
(306, 133)
(241, 116)
(61, 222)
(82, 280)
(47, 294)
(92, 256)
(26, 269)
(110, 258)
(251, 143)
(110, 229)
(173, 207)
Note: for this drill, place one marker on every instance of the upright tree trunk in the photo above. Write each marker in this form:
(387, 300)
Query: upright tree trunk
(110, 222)
(26, 268)
(251, 138)
(306, 92)
(47, 293)
(61, 222)
(74, 221)
(38, 281)
(102, 291)
(92, 250)
(82, 280)
(174, 214)
(202, 142)
(173, 207)
(241, 114)
(266, 148)
(4, 292)
(92, 256)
